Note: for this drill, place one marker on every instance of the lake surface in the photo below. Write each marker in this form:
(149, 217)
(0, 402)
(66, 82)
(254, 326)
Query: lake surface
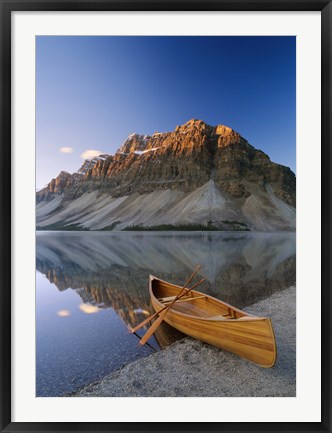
(91, 286)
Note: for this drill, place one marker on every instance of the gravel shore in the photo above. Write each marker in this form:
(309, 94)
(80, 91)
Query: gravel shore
(190, 368)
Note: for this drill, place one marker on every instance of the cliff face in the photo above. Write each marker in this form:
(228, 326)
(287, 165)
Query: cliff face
(194, 157)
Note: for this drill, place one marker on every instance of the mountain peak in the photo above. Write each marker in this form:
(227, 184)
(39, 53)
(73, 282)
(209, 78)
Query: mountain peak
(194, 121)
(140, 143)
(181, 162)
(194, 125)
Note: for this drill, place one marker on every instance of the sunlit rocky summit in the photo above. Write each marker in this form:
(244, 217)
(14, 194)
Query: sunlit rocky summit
(198, 176)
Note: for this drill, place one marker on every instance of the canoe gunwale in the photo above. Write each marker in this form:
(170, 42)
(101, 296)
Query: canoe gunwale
(246, 317)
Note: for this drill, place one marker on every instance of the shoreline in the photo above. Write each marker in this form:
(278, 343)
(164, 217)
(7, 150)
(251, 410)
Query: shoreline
(190, 368)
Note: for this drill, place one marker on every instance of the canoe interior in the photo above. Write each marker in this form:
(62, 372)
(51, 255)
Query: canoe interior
(205, 307)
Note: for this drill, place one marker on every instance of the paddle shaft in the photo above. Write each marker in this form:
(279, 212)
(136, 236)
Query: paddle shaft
(148, 319)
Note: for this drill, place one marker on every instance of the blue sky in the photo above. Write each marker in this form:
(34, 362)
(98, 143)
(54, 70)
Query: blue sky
(92, 92)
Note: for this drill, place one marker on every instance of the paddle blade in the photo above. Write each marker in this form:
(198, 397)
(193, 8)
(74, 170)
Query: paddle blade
(152, 328)
(145, 322)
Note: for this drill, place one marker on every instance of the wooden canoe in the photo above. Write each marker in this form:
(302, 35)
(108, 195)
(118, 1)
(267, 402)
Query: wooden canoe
(214, 322)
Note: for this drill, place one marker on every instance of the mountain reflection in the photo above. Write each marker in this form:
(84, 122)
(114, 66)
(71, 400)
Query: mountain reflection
(110, 270)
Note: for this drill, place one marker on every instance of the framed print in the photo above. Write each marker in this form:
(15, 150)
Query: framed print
(165, 216)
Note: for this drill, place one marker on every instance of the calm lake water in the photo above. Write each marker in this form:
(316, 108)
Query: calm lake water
(92, 285)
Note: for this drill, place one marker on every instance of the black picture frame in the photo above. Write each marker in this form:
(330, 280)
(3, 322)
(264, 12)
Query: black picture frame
(6, 8)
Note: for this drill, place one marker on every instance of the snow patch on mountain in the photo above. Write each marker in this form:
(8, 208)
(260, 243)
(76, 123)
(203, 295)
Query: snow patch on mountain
(141, 152)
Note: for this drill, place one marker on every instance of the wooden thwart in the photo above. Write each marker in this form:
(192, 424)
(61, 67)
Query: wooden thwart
(167, 299)
(178, 301)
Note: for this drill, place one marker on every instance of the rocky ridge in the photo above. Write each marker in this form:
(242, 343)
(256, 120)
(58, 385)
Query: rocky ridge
(197, 166)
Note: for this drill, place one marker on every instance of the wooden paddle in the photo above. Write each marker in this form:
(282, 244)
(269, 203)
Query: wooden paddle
(155, 325)
(148, 319)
